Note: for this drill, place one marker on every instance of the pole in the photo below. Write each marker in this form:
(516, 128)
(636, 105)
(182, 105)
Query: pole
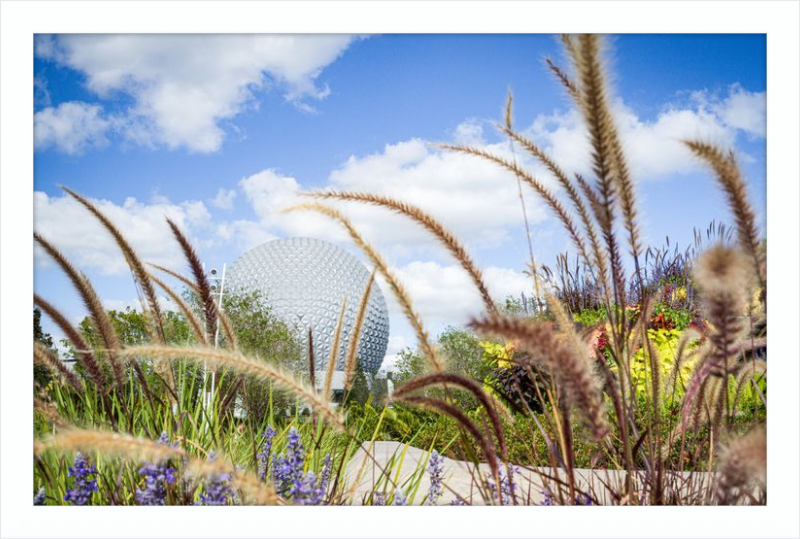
(216, 331)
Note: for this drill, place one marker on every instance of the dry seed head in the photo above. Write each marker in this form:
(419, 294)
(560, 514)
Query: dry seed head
(743, 463)
(724, 270)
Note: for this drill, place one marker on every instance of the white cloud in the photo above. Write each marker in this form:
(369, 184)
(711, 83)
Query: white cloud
(742, 110)
(464, 192)
(71, 228)
(184, 86)
(244, 234)
(654, 147)
(444, 294)
(452, 187)
(224, 199)
(71, 128)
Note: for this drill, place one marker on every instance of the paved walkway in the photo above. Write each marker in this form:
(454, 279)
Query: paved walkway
(407, 467)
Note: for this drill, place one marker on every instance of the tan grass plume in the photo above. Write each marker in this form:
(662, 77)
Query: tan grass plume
(742, 467)
(334, 355)
(572, 371)
(730, 178)
(355, 338)
(93, 304)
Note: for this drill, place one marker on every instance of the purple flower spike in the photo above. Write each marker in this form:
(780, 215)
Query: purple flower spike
(263, 456)
(156, 477)
(40, 497)
(217, 488)
(85, 483)
(507, 483)
(400, 498)
(436, 472)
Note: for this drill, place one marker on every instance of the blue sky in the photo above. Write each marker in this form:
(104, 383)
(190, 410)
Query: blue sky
(222, 132)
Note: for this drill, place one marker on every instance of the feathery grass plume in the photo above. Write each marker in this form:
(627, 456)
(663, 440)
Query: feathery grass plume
(200, 279)
(573, 372)
(433, 226)
(334, 356)
(596, 96)
(312, 366)
(569, 45)
(194, 323)
(83, 352)
(47, 359)
(140, 275)
(93, 304)
(592, 196)
(682, 354)
(597, 253)
(212, 312)
(48, 410)
(509, 114)
(378, 261)
(227, 326)
(182, 278)
(250, 367)
(110, 443)
(593, 105)
(537, 186)
(462, 419)
(721, 275)
(743, 465)
(564, 79)
(445, 379)
(355, 338)
(730, 178)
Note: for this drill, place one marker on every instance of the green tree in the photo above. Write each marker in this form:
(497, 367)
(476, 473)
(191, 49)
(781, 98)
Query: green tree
(260, 333)
(359, 390)
(410, 363)
(40, 374)
(463, 353)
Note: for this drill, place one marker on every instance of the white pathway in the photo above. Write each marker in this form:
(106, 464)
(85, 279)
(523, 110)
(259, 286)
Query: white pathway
(459, 476)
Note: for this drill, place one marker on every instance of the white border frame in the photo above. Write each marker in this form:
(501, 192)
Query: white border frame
(20, 20)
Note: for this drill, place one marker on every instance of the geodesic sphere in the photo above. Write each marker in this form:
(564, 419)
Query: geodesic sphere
(305, 281)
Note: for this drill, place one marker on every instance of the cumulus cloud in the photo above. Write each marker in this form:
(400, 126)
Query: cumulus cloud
(444, 294)
(224, 199)
(653, 146)
(184, 86)
(67, 224)
(71, 128)
(743, 110)
(464, 192)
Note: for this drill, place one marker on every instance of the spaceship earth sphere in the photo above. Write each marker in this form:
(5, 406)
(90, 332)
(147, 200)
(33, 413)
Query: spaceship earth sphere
(305, 281)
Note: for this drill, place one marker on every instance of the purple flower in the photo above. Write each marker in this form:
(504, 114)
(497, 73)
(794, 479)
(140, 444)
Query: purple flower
(292, 482)
(325, 476)
(40, 497)
(288, 469)
(217, 488)
(156, 477)
(399, 498)
(84, 484)
(378, 498)
(507, 484)
(457, 501)
(436, 471)
(580, 499)
(263, 456)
